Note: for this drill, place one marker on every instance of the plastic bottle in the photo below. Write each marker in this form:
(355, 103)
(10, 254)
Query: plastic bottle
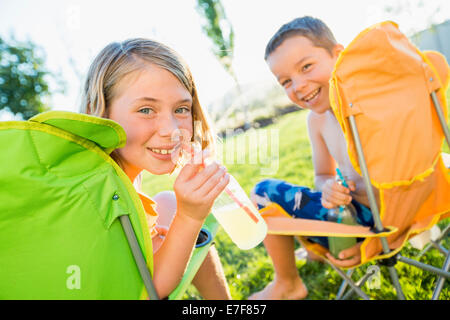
(342, 214)
(238, 216)
(232, 208)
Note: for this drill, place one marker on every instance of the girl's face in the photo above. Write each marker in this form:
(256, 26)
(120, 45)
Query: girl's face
(152, 106)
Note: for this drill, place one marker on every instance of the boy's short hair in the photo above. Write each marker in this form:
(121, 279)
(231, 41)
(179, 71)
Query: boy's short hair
(312, 28)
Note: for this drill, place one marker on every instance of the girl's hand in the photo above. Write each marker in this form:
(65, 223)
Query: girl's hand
(197, 186)
(335, 194)
(348, 257)
(162, 230)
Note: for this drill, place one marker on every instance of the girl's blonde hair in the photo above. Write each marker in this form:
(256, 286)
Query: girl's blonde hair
(117, 60)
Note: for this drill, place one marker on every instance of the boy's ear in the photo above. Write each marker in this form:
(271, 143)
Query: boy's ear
(337, 49)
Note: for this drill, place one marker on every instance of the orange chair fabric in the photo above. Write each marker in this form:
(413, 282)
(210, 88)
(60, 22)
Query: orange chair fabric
(385, 82)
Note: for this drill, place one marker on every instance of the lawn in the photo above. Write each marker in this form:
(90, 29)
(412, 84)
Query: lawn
(289, 158)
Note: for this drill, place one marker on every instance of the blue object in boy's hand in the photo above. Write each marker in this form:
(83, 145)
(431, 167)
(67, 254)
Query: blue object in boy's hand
(341, 177)
(344, 183)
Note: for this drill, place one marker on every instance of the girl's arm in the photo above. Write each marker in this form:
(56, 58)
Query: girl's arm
(195, 189)
(170, 261)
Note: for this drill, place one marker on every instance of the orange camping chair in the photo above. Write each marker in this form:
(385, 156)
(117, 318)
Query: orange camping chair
(390, 100)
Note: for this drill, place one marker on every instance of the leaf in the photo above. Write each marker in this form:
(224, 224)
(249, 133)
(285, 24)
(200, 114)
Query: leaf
(219, 29)
(24, 78)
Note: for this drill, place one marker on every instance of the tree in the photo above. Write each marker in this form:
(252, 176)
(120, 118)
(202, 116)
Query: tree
(219, 29)
(23, 78)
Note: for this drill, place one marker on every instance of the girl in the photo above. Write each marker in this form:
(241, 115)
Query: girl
(148, 89)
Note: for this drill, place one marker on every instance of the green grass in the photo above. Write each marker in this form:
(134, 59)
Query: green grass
(250, 271)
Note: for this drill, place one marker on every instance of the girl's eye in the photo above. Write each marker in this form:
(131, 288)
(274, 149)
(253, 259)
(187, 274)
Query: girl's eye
(183, 110)
(146, 110)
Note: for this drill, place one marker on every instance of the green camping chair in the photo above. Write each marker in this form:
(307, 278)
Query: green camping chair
(72, 226)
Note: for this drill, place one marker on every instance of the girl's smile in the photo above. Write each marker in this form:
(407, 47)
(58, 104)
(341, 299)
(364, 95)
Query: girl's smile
(164, 153)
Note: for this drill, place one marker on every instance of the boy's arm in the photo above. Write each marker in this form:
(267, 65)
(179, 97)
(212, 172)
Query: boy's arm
(323, 162)
(333, 194)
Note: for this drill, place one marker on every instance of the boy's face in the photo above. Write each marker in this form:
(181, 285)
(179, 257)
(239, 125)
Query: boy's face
(304, 70)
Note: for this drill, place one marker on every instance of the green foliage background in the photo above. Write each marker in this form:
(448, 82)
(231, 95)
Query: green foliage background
(24, 79)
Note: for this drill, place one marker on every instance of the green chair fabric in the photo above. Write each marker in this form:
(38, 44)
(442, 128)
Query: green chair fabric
(60, 197)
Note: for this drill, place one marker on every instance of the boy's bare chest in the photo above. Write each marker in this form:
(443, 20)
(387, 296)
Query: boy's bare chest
(335, 140)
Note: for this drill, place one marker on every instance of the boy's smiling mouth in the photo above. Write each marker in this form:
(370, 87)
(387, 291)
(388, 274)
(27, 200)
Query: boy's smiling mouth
(311, 96)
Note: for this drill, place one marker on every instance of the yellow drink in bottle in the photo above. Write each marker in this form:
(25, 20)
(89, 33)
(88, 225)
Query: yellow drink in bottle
(242, 230)
(238, 217)
(236, 213)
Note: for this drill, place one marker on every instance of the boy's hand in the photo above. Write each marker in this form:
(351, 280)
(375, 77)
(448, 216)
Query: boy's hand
(196, 188)
(348, 257)
(335, 194)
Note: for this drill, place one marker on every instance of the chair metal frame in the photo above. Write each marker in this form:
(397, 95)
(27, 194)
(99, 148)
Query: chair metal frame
(138, 257)
(442, 273)
(187, 277)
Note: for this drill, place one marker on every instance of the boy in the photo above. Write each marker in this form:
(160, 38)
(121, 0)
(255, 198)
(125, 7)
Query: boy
(302, 55)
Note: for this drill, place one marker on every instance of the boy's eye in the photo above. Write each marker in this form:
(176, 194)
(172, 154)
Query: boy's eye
(146, 110)
(306, 66)
(285, 83)
(182, 110)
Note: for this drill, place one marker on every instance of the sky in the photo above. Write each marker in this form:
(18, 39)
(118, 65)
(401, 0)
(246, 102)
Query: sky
(72, 32)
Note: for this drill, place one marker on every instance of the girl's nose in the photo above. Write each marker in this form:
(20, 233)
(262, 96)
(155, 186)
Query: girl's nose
(167, 124)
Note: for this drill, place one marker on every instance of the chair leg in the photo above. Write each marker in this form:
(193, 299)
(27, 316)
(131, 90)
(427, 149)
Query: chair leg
(373, 203)
(344, 285)
(350, 282)
(440, 248)
(441, 280)
(360, 283)
(424, 266)
(396, 283)
(436, 244)
(444, 233)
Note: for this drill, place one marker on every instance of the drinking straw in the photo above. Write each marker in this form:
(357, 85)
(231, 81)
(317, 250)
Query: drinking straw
(341, 177)
(232, 196)
(344, 183)
(240, 204)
